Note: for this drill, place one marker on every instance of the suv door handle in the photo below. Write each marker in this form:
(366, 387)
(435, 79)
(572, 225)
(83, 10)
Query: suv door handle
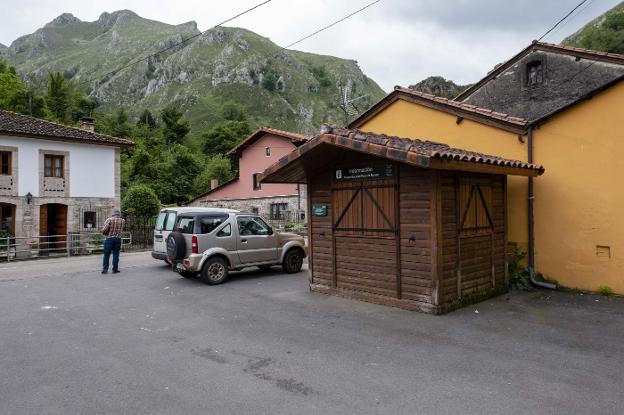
(244, 241)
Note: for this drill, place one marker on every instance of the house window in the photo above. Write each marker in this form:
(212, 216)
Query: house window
(277, 210)
(89, 220)
(255, 210)
(53, 165)
(267, 151)
(535, 73)
(5, 163)
(256, 183)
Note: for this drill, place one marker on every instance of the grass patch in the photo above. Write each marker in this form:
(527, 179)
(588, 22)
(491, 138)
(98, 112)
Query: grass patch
(605, 290)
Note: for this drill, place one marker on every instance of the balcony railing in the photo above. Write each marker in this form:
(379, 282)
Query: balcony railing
(71, 244)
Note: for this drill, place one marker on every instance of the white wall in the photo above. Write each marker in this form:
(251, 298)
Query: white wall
(91, 167)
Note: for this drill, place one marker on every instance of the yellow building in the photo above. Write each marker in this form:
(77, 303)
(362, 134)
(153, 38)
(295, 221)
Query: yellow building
(578, 203)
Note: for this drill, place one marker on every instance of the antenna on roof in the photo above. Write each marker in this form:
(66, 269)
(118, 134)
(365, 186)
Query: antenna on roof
(346, 101)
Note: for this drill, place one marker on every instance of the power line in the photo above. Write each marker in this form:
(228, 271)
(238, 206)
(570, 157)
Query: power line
(578, 12)
(331, 24)
(562, 19)
(134, 62)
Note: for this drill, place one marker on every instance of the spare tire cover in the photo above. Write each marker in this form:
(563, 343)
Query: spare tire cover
(176, 246)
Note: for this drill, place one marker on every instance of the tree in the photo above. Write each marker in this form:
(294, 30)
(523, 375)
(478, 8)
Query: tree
(232, 111)
(141, 200)
(122, 128)
(147, 119)
(217, 167)
(174, 129)
(223, 137)
(57, 97)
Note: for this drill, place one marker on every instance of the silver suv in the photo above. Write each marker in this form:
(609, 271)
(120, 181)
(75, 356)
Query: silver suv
(209, 245)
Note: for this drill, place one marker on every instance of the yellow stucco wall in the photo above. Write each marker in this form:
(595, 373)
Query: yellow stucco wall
(406, 119)
(579, 201)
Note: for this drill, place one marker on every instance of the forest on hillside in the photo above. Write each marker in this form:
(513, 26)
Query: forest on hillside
(166, 163)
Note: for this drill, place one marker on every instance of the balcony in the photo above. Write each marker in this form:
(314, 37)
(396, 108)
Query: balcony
(54, 185)
(7, 186)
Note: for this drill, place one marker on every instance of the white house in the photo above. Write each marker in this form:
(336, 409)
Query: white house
(56, 179)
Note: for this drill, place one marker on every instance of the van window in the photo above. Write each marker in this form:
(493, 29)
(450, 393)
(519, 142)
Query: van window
(208, 224)
(171, 219)
(160, 222)
(185, 224)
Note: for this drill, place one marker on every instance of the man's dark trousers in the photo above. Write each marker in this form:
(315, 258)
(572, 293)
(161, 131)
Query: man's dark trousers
(111, 245)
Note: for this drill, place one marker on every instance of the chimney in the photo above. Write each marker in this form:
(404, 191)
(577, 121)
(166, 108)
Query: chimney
(214, 183)
(88, 124)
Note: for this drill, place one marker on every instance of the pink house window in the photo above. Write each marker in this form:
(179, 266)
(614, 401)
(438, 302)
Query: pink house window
(256, 184)
(267, 151)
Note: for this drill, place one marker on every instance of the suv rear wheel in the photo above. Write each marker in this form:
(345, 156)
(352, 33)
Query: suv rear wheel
(215, 271)
(293, 260)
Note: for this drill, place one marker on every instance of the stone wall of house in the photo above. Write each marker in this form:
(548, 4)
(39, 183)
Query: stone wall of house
(297, 205)
(296, 211)
(565, 79)
(27, 215)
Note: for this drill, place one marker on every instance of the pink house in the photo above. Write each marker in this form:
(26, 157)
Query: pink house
(276, 202)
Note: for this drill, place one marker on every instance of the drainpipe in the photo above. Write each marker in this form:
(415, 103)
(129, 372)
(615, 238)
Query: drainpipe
(535, 282)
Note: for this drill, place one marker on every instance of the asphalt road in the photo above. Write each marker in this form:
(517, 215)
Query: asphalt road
(149, 342)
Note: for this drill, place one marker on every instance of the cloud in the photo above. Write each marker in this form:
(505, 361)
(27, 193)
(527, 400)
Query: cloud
(394, 41)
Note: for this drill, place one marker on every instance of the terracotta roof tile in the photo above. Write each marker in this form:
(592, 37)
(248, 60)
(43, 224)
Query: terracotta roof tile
(24, 125)
(403, 150)
(484, 112)
(430, 149)
(295, 138)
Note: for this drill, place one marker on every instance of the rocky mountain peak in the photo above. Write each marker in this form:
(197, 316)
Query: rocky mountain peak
(109, 19)
(63, 20)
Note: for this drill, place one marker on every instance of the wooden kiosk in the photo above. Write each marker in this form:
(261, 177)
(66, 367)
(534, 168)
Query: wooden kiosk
(402, 222)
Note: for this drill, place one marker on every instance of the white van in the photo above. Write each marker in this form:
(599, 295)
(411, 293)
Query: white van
(164, 225)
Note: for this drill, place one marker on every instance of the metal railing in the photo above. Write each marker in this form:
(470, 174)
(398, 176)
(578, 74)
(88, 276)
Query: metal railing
(71, 244)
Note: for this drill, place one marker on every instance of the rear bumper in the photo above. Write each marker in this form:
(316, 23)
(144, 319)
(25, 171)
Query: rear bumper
(159, 255)
(190, 264)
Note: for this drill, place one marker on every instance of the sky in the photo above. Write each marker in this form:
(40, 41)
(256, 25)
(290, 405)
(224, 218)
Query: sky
(396, 42)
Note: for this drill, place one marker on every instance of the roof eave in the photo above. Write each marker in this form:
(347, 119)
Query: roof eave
(126, 144)
(398, 94)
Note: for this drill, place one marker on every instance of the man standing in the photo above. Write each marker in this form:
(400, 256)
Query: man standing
(112, 229)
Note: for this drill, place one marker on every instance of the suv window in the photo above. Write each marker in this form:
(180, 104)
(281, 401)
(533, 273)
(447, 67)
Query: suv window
(185, 224)
(208, 224)
(225, 231)
(249, 225)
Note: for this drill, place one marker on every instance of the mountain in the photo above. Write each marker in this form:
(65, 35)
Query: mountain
(605, 33)
(276, 87)
(437, 85)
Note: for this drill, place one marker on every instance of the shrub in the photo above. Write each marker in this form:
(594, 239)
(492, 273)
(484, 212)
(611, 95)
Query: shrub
(605, 290)
(141, 200)
(518, 273)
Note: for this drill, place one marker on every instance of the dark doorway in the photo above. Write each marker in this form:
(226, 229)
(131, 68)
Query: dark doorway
(7, 218)
(53, 228)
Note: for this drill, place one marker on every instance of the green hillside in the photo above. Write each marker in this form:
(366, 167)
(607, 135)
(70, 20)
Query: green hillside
(284, 89)
(605, 33)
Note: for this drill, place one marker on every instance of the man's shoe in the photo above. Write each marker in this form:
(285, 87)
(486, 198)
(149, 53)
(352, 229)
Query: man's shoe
(104, 271)
(115, 271)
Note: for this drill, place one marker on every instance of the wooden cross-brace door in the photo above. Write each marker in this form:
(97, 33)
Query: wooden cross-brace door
(475, 235)
(365, 208)
(365, 234)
